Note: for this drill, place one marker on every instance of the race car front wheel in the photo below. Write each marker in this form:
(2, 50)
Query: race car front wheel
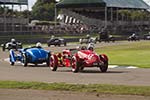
(53, 63)
(104, 62)
(24, 60)
(12, 63)
(104, 67)
(75, 65)
(48, 60)
(3, 47)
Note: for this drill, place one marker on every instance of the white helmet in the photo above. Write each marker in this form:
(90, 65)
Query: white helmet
(13, 40)
(38, 44)
(90, 46)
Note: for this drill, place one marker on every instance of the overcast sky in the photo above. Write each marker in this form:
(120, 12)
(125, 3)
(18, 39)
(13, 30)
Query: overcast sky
(31, 3)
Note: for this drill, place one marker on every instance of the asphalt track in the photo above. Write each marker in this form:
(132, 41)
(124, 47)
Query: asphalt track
(41, 73)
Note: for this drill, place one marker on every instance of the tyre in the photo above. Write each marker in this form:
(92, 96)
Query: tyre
(3, 48)
(48, 60)
(113, 41)
(75, 65)
(49, 45)
(65, 44)
(59, 44)
(81, 68)
(24, 60)
(53, 63)
(104, 67)
(12, 63)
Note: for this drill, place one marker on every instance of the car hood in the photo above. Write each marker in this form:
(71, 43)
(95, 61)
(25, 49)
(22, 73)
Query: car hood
(37, 52)
(88, 56)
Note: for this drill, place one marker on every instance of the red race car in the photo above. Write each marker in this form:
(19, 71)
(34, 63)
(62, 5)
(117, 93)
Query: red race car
(78, 59)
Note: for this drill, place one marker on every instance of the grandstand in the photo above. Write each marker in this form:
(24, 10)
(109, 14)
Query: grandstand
(105, 14)
(9, 22)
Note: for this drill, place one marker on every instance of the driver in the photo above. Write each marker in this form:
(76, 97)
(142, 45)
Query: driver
(90, 46)
(13, 41)
(38, 45)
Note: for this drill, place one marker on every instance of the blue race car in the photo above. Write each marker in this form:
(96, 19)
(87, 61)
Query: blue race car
(34, 55)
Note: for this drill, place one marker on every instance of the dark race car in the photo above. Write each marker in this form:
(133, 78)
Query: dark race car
(56, 42)
(106, 38)
(133, 37)
(78, 60)
(147, 36)
(34, 55)
(11, 45)
(88, 40)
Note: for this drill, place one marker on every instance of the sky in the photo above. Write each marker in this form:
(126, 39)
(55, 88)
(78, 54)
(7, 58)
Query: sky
(32, 2)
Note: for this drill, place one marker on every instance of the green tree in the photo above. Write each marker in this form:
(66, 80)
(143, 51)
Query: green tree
(44, 10)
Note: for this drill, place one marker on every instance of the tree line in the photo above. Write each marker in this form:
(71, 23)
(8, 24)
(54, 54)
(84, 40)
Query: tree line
(44, 10)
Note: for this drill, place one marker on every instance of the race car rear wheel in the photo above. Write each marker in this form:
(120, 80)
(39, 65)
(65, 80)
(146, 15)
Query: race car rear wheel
(65, 44)
(81, 68)
(24, 60)
(48, 60)
(3, 47)
(53, 63)
(75, 65)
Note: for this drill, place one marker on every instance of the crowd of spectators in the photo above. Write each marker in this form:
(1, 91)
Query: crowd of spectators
(77, 28)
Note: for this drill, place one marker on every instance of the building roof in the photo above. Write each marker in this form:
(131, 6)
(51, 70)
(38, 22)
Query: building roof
(140, 4)
(135, 4)
(80, 3)
(19, 2)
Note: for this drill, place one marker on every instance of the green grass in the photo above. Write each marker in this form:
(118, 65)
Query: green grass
(96, 88)
(135, 54)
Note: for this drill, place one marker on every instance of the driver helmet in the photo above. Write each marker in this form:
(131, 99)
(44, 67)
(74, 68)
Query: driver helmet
(78, 47)
(38, 44)
(13, 40)
(90, 46)
(88, 36)
(52, 36)
(133, 34)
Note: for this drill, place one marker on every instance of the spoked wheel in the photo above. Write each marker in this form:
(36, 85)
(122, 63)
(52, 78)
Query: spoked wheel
(24, 60)
(104, 67)
(75, 65)
(53, 63)
(3, 48)
(48, 60)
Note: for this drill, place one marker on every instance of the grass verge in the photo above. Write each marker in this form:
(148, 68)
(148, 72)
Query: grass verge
(96, 88)
(135, 54)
